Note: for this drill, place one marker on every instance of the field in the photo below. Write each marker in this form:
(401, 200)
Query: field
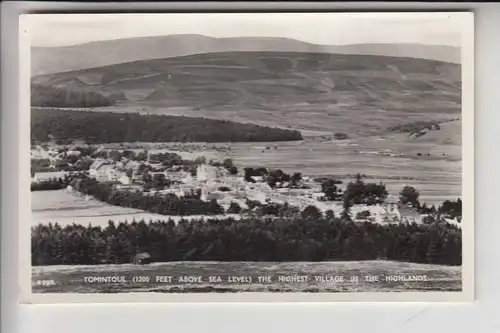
(437, 177)
(70, 279)
(67, 208)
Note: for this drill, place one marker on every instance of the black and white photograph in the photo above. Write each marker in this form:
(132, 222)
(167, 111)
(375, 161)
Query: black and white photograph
(212, 155)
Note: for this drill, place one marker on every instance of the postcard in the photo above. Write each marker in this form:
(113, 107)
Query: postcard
(282, 157)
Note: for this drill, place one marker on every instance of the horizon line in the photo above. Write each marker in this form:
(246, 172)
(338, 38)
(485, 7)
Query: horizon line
(235, 37)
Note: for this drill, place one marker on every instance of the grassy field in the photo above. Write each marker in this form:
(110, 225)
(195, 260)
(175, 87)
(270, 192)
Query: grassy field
(67, 208)
(70, 279)
(437, 177)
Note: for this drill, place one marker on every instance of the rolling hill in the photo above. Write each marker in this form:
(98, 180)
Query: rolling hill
(46, 60)
(361, 94)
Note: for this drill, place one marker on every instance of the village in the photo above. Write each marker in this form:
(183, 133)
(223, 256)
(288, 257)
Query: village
(167, 173)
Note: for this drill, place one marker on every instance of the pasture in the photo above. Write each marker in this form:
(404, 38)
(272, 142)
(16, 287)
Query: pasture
(437, 177)
(67, 208)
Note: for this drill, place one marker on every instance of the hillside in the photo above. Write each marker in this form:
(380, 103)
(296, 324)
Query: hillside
(48, 96)
(361, 94)
(449, 133)
(46, 60)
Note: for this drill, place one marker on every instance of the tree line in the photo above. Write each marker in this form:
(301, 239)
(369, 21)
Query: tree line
(249, 239)
(45, 96)
(357, 192)
(168, 204)
(109, 127)
(55, 183)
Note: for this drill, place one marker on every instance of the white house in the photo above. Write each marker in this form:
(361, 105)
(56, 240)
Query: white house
(454, 222)
(74, 153)
(44, 176)
(205, 172)
(125, 180)
(102, 171)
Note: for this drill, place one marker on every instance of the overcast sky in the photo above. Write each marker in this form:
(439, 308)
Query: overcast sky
(324, 28)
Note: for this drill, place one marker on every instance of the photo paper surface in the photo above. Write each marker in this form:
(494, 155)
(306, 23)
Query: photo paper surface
(247, 157)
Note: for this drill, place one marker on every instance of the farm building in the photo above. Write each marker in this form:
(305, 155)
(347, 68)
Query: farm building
(409, 214)
(125, 180)
(44, 176)
(142, 258)
(205, 172)
(102, 171)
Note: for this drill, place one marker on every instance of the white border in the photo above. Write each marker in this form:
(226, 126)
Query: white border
(467, 294)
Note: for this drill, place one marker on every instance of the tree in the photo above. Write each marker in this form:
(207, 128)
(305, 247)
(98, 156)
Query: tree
(115, 155)
(227, 163)
(329, 214)
(200, 160)
(296, 178)
(233, 170)
(142, 156)
(214, 208)
(451, 208)
(147, 186)
(331, 191)
(248, 174)
(129, 154)
(311, 212)
(129, 173)
(340, 136)
(359, 192)
(270, 209)
(146, 177)
(272, 181)
(346, 212)
(234, 208)
(249, 239)
(159, 181)
(363, 215)
(409, 195)
(72, 159)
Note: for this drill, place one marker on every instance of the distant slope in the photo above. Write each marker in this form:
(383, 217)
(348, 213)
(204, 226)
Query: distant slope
(449, 133)
(313, 91)
(45, 60)
(48, 96)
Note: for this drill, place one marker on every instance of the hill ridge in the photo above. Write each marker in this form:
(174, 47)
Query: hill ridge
(47, 60)
(279, 88)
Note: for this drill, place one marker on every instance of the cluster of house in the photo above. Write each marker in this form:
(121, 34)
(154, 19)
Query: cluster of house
(56, 158)
(216, 184)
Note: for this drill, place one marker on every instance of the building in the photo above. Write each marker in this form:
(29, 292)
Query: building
(185, 189)
(142, 258)
(103, 171)
(409, 214)
(74, 153)
(45, 176)
(257, 178)
(132, 165)
(208, 196)
(188, 178)
(456, 222)
(205, 172)
(125, 180)
(256, 195)
(158, 173)
(58, 163)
